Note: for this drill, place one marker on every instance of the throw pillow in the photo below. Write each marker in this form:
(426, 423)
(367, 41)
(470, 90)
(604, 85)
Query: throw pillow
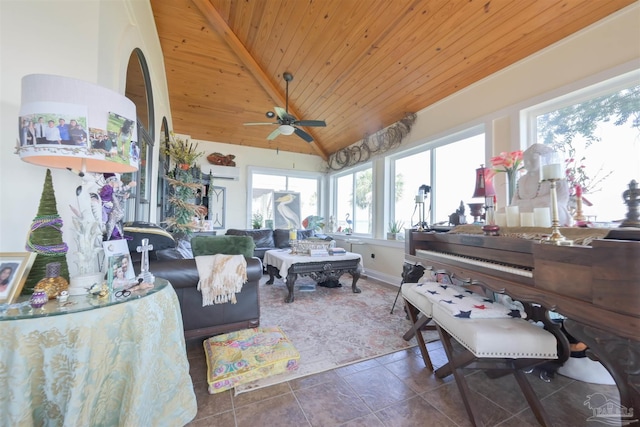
(248, 355)
(138, 230)
(228, 245)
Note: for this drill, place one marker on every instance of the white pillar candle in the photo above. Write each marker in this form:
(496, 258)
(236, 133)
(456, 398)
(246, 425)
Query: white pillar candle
(542, 217)
(501, 219)
(526, 219)
(552, 171)
(293, 234)
(513, 216)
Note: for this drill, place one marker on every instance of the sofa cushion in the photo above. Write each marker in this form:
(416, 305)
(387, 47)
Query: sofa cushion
(138, 230)
(263, 238)
(229, 245)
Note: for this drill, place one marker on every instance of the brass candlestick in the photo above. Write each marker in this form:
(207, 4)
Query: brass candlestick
(556, 238)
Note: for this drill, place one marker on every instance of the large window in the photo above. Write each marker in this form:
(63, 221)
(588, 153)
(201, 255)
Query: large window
(598, 130)
(354, 201)
(281, 201)
(448, 168)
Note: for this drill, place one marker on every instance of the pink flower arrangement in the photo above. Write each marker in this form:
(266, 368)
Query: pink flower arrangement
(507, 162)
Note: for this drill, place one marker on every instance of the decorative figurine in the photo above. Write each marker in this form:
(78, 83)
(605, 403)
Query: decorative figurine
(145, 274)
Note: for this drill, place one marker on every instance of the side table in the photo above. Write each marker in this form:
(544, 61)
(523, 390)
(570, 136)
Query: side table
(114, 362)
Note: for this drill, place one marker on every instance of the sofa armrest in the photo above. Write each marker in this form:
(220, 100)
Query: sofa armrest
(183, 273)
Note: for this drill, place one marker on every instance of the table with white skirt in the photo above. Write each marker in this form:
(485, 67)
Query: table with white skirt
(110, 362)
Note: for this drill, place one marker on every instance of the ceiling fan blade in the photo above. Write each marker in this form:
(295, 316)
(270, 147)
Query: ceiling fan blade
(310, 123)
(281, 112)
(302, 134)
(274, 134)
(258, 123)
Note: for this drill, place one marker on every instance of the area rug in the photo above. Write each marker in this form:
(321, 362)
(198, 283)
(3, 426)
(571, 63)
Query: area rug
(333, 327)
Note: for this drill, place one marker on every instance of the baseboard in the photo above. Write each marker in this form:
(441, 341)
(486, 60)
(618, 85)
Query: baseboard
(382, 278)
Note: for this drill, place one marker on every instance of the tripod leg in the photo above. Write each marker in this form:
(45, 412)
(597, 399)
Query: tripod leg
(397, 295)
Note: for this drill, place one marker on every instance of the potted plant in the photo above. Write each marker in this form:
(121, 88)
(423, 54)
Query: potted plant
(182, 152)
(256, 221)
(395, 230)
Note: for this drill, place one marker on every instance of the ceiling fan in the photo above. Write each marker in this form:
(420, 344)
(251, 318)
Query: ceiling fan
(287, 124)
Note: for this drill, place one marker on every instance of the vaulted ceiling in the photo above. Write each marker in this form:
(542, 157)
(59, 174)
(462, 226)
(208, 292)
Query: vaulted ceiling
(360, 65)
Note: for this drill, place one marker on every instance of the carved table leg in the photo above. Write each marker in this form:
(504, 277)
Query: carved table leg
(291, 280)
(621, 357)
(356, 275)
(273, 271)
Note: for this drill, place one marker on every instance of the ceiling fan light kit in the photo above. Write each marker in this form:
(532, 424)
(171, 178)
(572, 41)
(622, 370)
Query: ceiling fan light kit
(286, 129)
(287, 124)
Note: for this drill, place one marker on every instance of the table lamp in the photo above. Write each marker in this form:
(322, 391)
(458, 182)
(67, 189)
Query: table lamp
(72, 124)
(484, 188)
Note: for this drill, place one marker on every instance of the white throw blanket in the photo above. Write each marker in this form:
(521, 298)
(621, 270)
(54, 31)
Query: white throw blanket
(221, 277)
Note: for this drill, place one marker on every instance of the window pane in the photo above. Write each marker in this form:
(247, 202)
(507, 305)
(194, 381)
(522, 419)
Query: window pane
(344, 201)
(411, 173)
(456, 166)
(364, 198)
(600, 138)
(264, 186)
(308, 189)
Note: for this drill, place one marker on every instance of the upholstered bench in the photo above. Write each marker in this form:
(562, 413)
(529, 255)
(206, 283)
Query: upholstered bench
(419, 309)
(504, 344)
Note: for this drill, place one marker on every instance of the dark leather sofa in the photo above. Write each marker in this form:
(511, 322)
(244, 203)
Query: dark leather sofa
(167, 261)
(266, 239)
(204, 322)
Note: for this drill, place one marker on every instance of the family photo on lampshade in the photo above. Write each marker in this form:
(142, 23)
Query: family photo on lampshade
(49, 129)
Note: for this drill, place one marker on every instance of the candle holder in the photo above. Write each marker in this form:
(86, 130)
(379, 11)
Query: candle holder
(556, 238)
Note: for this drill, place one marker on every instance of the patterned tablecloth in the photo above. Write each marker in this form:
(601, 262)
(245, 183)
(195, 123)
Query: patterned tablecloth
(282, 259)
(117, 365)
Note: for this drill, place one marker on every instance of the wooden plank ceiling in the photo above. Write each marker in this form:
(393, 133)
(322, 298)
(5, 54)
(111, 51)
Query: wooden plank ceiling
(360, 65)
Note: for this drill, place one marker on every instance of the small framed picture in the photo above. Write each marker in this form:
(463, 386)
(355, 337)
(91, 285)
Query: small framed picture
(14, 270)
(118, 251)
(117, 274)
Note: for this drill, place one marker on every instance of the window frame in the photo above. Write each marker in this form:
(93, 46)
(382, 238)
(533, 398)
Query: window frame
(432, 146)
(333, 204)
(252, 170)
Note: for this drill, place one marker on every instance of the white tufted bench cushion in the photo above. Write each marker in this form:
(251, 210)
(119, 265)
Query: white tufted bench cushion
(417, 299)
(498, 338)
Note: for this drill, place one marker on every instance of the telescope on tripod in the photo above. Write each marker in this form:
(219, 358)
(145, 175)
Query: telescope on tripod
(421, 198)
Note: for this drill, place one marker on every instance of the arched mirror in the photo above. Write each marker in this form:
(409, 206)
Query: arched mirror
(163, 169)
(138, 90)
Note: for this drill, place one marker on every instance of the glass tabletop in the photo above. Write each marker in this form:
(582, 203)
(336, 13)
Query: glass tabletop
(22, 308)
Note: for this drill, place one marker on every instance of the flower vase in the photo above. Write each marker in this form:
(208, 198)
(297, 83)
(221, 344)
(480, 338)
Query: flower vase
(511, 186)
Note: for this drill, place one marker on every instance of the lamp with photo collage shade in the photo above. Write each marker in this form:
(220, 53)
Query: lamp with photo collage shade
(96, 114)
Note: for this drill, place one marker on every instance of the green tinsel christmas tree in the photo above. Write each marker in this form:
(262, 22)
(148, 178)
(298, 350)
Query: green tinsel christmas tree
(45, 238)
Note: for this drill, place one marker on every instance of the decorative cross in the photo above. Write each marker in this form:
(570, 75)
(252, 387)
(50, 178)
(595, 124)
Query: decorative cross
(145, 274)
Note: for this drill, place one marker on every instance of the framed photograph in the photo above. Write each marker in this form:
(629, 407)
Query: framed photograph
(14, 270)
(116, 254)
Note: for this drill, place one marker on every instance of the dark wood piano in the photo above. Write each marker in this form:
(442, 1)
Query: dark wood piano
(597, 287)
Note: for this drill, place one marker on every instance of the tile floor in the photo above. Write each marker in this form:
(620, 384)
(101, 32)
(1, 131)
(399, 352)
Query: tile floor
(391, 390)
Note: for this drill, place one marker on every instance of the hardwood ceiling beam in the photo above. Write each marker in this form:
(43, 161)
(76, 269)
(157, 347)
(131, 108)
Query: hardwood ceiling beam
(220, 26)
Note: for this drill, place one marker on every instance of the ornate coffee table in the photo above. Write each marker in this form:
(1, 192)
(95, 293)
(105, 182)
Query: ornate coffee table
(325, 270)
